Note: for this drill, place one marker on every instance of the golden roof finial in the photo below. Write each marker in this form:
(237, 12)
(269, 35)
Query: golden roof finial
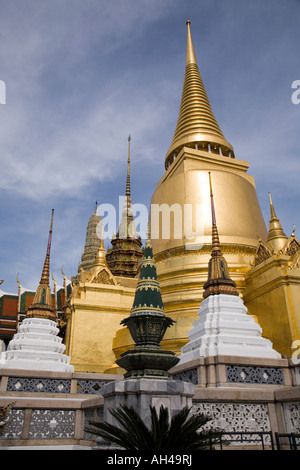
(190, 53)
(54, 283)
(276, 236)
(127, 227)
(219, 281)
(19, 292)
(53, 279)
(272, 210)
(128, 170)
(100, 259)
(46, 268)
(216, 247)
(148, 239)
(196, 122)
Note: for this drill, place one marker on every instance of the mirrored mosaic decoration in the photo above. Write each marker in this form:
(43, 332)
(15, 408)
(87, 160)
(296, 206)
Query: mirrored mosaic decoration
(253, 374)
(187, 376)
(24, 384)
(91, 387)
(52, 424)
(235, 417)
(13, 430)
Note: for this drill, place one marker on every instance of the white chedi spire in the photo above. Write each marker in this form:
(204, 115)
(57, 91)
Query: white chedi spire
(36, 346)
(224, 327)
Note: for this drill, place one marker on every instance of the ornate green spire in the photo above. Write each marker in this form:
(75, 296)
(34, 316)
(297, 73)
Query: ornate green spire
(147, 324)
(148, 296)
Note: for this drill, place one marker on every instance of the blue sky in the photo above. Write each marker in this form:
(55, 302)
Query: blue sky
(81, 76)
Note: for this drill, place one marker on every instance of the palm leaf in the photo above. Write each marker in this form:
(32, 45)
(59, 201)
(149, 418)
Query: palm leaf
(159, 427)
(181, 433)
(132, 435)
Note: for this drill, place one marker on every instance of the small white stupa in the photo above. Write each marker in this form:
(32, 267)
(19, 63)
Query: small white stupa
(224, 327)
(36, 345)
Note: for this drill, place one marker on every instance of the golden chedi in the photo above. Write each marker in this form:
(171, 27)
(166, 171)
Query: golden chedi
(264, 266)
(181, 199)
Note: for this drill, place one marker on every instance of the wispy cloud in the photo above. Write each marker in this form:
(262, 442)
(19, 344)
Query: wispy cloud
(65, 118)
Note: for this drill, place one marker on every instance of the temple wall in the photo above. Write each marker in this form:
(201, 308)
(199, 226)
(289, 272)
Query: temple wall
(52, 409)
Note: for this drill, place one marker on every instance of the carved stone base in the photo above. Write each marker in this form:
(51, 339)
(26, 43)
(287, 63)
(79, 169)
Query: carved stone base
(143, 393)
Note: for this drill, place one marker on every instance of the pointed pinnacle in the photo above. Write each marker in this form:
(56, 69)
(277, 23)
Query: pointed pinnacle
(190, 53)
(127, 193)
(46, 267)
(272, 210)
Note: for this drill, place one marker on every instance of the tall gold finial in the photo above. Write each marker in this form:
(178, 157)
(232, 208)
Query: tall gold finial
(276, 236)
(219, 281)
(128, 170)
(272, 210)
(197, 126)
(46, 268)
(148, 239)
(190, 53)
(216, 247)
(100, 259)
(127, 227)
(65, 282)
(61, 270)
(19, 293)
(55, 298)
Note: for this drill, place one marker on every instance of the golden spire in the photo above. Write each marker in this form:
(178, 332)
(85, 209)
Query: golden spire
(123, 258)
(216, 247)
(190, 53)
(219, 281)
(127, 192)
(127, 227)
(42, 305)
(197, 126)
(91, 242)
(276, 236)
(46, 268)
(100, 259)
(19, 293)
(55, 293)
(65, 278)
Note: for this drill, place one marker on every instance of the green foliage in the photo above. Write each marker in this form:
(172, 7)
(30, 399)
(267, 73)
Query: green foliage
(181, 433)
